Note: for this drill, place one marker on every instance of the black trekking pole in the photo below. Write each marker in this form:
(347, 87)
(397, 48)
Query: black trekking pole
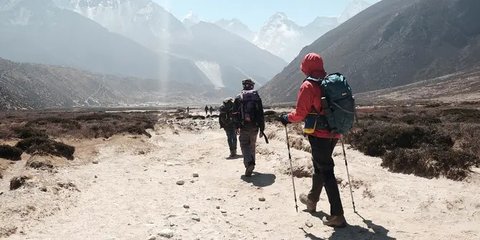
(348, 175)
(291, 169)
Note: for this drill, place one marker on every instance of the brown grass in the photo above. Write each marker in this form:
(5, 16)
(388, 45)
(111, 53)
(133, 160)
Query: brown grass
(75, 124)
(428, 141)
(45, 146)
(10, 153)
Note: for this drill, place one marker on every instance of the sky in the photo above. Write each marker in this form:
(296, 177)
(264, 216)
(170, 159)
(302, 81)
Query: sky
(254, 13)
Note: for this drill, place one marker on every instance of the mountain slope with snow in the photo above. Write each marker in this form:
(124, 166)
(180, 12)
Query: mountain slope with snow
(150, 25)
(39, 32)
(392, 43)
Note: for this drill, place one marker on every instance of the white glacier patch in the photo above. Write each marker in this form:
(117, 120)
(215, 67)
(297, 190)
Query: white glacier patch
(212, 71)
(22, 18)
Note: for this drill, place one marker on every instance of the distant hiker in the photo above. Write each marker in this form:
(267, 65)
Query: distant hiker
(249, 120)
(211, 110)
(322, 141)
(188, 110)
(206, 110)
(226, 122)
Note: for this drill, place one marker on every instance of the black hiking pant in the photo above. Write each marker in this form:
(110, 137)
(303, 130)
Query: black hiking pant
(322, 149)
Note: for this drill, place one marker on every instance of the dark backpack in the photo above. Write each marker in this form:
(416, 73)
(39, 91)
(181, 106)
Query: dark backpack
(250, 106)
(338, 103)
(225, 116)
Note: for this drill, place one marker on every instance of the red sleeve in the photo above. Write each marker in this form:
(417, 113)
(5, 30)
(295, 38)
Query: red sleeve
(304, 103)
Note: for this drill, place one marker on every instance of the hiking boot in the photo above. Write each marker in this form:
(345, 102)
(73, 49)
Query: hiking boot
(335, 221)
(311, 205)
(249, 170)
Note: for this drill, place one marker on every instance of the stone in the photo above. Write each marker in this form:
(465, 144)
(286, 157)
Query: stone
(261, 199)
(186, 206)
(195, 175)
(152, 238)
(196, 219)
(166, 233)
(95, 162)
(181, 182)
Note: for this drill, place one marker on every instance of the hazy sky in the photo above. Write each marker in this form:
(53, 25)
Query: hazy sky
(255, 13)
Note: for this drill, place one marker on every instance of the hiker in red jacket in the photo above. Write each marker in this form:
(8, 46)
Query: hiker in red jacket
(322, 141)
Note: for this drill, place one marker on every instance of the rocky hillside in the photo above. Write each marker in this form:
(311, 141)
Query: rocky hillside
(34, 86)
(390, 44)
(461, 87)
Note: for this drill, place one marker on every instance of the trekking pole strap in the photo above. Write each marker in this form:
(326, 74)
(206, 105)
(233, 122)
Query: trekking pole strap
(265, 136)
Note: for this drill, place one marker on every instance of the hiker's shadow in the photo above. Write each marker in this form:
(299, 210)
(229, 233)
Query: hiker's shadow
(235, 157)
(260, 179)
(353, 231)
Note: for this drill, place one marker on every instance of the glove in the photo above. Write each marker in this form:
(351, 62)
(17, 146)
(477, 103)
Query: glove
(283, 119)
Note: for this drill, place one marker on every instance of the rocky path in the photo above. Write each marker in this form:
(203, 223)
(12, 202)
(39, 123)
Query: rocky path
(179, 185)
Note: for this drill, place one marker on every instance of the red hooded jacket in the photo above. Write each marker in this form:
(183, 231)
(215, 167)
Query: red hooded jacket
(309, 96)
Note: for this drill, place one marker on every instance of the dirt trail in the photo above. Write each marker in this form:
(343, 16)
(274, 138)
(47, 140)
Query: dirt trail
(133, 193)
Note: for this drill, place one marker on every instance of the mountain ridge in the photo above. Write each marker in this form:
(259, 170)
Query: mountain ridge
(390, 44)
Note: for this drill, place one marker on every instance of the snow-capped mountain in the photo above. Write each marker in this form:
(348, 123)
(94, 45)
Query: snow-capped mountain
(152, 26)
(279, 36)
(141, 20)
(191, 19)
(353, 8)
(237, 27)
(283, 37)
(39, 32)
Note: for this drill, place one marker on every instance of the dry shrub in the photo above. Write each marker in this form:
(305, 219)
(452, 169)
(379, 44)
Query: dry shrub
(7, 231)
(430, 162)
(466, 137)
(376, 138)
(17, 182)
(98, 116)
(45, 146)
(137, 129)
(271, 134)
(28, 132)
(466, 115)
(10, 153)
(302, 171)
(300, 143)
(270, 116)
(62, 122)
(431, 141)
(194, 117)
(412, 119)
(367, 193)
(44, 162)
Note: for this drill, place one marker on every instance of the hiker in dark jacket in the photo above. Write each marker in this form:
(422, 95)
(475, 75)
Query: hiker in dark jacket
(226, 122)
(322, 142)
(249, 120)
(206, 110)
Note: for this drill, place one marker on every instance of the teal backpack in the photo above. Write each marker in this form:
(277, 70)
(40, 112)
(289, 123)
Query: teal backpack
(338, 104)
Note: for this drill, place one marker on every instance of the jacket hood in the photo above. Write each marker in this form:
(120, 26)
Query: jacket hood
(312, 66)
